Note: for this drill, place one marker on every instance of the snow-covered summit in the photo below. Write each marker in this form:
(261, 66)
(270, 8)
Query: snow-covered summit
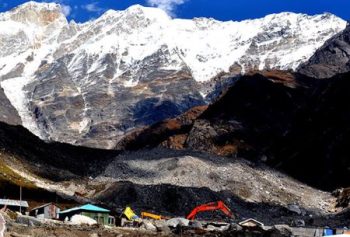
(149, 12)
(206, 46)
(93, 82)
(34, 13)
(38, 6)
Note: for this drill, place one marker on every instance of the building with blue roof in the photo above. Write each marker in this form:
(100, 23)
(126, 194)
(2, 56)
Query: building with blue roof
(99, 214)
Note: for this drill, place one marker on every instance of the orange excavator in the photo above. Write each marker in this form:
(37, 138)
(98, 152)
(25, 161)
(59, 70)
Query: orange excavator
(213, 206)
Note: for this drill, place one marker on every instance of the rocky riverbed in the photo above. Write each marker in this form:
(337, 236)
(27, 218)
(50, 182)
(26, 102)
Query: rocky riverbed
(24, 226)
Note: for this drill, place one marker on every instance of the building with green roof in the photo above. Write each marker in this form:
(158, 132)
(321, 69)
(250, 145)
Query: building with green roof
(99, 214)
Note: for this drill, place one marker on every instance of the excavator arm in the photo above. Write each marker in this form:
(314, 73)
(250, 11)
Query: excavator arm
(151, 216)
(213, 206)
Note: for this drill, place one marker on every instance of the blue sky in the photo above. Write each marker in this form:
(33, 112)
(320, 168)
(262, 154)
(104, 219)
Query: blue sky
(83, 10)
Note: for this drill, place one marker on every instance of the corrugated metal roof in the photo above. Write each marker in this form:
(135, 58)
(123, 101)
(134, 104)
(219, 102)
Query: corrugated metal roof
(45, 205)
(87, 207)
(251, 220)
(14, 203)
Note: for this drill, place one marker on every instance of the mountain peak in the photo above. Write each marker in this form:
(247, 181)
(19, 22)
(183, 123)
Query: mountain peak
(33, 5)
(148, 12)
(39, 13)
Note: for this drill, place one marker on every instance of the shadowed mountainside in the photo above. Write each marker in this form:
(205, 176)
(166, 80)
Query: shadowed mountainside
(302, 129)
(18, 142)
(291, 122)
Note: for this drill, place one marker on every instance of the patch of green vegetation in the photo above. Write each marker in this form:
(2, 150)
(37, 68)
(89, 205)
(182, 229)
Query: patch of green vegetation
(7, 175)
(10, 181)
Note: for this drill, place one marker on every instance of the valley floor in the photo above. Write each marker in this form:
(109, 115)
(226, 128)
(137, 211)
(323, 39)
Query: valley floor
(67, 230)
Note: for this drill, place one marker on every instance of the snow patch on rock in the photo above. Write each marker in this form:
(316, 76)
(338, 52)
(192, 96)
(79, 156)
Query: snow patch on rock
(14, 90)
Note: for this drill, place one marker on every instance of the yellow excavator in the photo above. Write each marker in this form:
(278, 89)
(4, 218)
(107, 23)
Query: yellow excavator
(152, 216)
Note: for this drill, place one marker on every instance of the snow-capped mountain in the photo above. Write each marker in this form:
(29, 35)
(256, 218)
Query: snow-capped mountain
(92, 83)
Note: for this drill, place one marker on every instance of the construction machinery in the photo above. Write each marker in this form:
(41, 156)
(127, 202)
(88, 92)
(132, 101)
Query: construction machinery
(130, 214)
(213, 206)
(152, 216)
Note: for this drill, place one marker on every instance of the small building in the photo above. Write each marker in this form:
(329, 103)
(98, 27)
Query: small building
(251, 223)
(46, 211)
(100, 215)
(14, 205)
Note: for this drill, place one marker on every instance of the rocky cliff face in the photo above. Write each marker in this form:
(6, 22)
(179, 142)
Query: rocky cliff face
(92, 84)
(331, 59)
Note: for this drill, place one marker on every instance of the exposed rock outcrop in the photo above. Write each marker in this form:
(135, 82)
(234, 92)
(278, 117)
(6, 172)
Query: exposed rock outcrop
(343, 197)
(171, 132)
(332, 58)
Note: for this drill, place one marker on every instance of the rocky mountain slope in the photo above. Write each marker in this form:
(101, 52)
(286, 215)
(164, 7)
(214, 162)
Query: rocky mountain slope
(332, 58)
(159, 180)
(286, 120)
(295, 125)
(91, 84)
